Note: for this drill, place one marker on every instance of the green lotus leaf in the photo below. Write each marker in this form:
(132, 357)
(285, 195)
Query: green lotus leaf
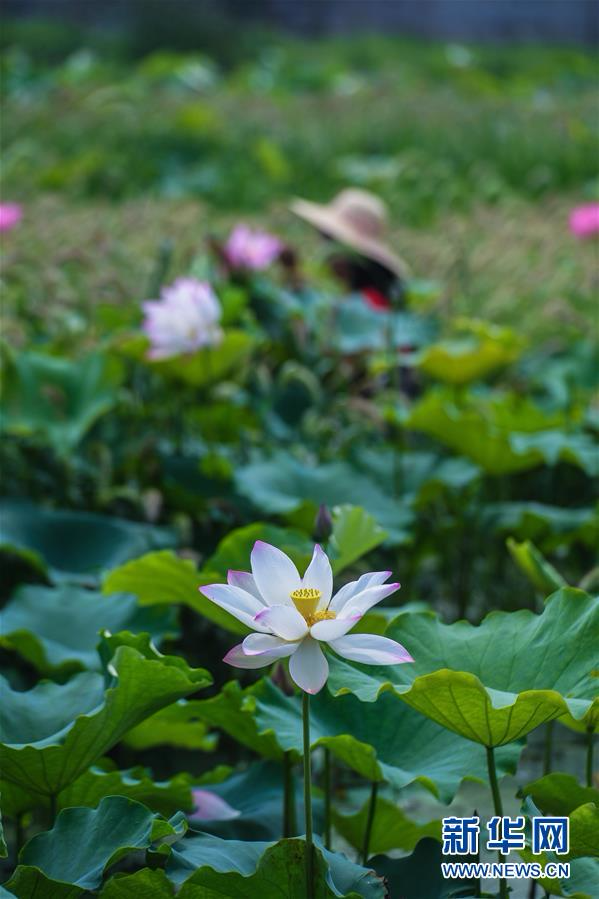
(584, 831)
(245, 870)
(559, 794)
(234, 550)
(383, 742)
(359, 329)
(257, 794)
(144, 884)
(484, 428)
(492, 683)
(77, 543)
(562, 795)
(419, 876)
(57, 630)
(231, 711)
(391, 828)
(475, 352)
(422, 476)
(583, 855)
(164, 578)
(355, 533)
(210, 364)
(57, 399)
(53, 733)
(281, 484)
(84, 842)
(541, 573)
(104, 779)
(577, 448)
(177, 724)
(548, 526)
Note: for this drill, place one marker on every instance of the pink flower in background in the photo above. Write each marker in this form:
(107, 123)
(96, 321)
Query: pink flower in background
(210, 807)
(184, 319)
(584, 220)
(10, 215)
(253, 250)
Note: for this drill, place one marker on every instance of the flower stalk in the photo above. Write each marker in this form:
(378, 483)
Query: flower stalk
(498, 806)
(308, 798)
(369, 822)
(289, 821)
(327, 798)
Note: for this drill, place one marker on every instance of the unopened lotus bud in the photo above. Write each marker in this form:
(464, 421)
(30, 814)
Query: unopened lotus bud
(323, 524)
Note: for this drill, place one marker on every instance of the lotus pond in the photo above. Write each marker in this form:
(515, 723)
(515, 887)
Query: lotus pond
(218, 466)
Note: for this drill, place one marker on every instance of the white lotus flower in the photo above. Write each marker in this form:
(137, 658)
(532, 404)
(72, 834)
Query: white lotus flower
(293, 616)
(184, 319)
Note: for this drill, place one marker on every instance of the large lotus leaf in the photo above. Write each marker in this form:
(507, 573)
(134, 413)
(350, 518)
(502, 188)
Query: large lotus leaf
(355, 533)
(270, 870)
(257, 794)
(478, 350)
(231, 711)
(281, 484)
(419, 876)
(541, 573)
(203, 367)
(77, 543)
(420, 476)
(584, 818)
(559, 794)
(177, 724)
(577, 448)
(144, 884)
(84, 842)
(234, 550)
(359, 329)
(57, 629)
(496, 682)
(391, 828)
(548, 526)
(57, 399)
(382, 742)
(483, 428)
(164, 578)
(104, 779)
(583, 855)
(53, 733)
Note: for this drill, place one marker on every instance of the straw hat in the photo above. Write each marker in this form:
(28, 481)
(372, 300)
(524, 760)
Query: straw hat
(358, 219)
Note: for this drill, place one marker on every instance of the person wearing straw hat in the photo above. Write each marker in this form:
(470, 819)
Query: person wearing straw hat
(358, 220)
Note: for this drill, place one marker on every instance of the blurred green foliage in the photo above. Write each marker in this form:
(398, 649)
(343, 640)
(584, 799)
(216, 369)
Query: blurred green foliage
(431, 127)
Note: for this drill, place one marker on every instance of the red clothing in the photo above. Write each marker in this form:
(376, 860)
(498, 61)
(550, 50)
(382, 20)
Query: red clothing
(376, 299)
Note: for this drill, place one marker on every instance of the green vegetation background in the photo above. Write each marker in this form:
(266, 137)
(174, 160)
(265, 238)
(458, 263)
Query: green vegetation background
(114, 146)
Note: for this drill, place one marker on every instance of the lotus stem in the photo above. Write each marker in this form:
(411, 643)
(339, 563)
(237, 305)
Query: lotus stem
(369, 821)
(289, 820)
(590, 763)
(308, 798)
(498, 806)
(327, 798)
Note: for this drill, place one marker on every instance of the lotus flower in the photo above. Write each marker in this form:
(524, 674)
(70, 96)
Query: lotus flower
(211, 807)
(251, 250)
(584, 220)
(294, 617)
(10, 215)
(184, 319)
